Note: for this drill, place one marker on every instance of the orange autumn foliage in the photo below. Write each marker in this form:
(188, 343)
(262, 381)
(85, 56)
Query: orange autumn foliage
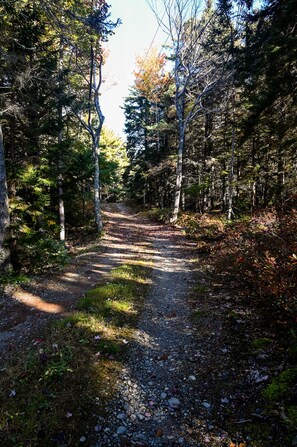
(151, 79)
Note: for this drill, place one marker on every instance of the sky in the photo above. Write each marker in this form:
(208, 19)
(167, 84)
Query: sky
(131, 39)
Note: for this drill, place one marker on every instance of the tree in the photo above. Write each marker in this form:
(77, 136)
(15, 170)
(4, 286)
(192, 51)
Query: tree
(89, 110)
(4, 213)
(45, 55)
(193, 76)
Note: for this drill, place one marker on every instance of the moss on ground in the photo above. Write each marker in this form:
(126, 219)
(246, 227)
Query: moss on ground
(281, 385)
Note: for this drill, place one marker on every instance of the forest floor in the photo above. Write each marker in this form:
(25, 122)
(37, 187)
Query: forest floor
(25, 309)
(194, 371)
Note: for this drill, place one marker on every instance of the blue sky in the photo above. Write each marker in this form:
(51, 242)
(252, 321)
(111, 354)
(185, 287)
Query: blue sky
(131, 38)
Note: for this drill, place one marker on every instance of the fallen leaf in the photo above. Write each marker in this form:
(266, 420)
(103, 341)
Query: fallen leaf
(159, 433)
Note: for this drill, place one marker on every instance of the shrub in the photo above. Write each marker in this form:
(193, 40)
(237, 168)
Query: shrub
(38, 251)
(260, 256)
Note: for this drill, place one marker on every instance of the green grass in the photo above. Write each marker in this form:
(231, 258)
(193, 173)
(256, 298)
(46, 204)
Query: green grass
(53, 392)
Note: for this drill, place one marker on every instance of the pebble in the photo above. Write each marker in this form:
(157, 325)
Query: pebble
(121, 430)
(121, 416)
(206, 405)
(128, 408)
(192, 378)
(140, 417)
(163, 395)
(174, 402)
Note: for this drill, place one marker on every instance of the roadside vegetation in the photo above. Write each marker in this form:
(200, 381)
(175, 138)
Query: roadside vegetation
(54, 392)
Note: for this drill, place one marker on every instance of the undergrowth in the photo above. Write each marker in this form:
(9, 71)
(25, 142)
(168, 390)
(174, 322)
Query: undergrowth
(259, 258)
(53, 393)
(255, 259)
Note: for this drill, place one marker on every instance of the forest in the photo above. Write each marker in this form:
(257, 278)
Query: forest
(210, 119)
(210, 151)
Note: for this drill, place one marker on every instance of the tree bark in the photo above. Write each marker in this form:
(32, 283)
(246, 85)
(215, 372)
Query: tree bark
(4, 211)
(179, 177)
(97, 188)
(60, 141)
(95, 84)
(231, 174)
(61, 208)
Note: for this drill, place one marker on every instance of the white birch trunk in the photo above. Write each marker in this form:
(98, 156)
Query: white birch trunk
(179, 178)
(97, 206)
(4, 210)
(231, 175)
(60, 177)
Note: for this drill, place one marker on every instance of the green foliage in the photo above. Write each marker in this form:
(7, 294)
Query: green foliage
(195, 189)
(292, 416)
(250, 51)
(12, 277)
(44, 145)
(162, 215)
(37, 252)
(202, 227)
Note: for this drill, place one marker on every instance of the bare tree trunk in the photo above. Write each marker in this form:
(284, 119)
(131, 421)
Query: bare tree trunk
(94, 130)
(231, 174)
(95, 84)
(4, 212)
(61, 200)
(232, 159)
(179, 178)
(97, 188)
(280, 174)
(60, 141)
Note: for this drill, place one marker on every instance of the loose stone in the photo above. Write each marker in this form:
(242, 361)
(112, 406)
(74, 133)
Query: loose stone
(121, 416)
(121, 430)
(174, 402)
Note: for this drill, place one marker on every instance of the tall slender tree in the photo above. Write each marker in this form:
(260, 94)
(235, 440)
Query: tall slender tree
(194, 77)
(4, 213)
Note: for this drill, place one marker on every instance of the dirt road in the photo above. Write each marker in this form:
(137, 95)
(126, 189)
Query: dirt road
(188, 378)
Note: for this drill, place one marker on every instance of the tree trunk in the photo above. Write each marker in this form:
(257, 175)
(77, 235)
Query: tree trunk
(83, 197)
(179, 177)
(60, 141)
(60, 190)
(231, 175)
(97, 187)
(4, 212)
(280, 174)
